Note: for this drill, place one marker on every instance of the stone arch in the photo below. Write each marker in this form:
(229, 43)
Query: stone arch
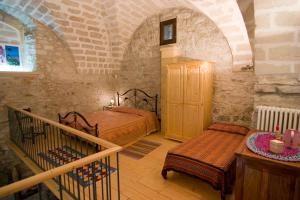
(225, 14)
(19, 15)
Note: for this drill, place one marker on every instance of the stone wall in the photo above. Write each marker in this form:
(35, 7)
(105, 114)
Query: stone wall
(277, 36)
(98, 31)
(197, 38)
(128, 15)
(79, 23)
(58, 87)
(277, 53)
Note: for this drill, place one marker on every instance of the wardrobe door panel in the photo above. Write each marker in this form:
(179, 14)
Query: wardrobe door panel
(192, 84)
(192, 123)
(174, 101)
(175, 84)
(174, 121)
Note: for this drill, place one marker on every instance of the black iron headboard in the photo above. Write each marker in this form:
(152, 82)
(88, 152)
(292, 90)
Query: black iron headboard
(71, 119)
(137, 97)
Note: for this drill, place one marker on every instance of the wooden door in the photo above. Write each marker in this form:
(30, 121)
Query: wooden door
(193, 107)
(174, 101)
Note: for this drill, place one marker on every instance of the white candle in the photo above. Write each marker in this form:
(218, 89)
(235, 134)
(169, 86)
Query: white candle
(292, 134)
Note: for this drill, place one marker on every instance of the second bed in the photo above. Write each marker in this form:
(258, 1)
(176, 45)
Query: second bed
(209, 156)
(121, 125)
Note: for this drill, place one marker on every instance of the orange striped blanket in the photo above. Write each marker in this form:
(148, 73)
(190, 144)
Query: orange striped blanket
(209, 156)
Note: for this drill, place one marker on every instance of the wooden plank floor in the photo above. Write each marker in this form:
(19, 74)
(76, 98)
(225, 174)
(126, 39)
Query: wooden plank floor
(141, 179)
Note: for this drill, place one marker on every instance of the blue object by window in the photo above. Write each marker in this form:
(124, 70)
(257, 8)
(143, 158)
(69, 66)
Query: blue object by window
(12, 55)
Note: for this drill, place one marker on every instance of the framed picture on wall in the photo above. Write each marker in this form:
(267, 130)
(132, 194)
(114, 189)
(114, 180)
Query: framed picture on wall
(168, 32)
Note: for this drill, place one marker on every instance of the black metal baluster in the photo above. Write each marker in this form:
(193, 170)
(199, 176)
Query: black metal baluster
(44, 152)
(60, 153)
(94, 182)
(27, 140)
(109, 177)
(101, 174)
(118, 176)
(88, 166)
(24, 143)
(78, 184)
(34, 140)
(50, 142)
(38, 150)
(58, 144)
(45, 148)
(54, 133)
(106, 178)
(83, 186)
(66, 176)
(73, 174)
(38, 144)
(70, 183)
(60, 188)
(77, 175)
(82, 174)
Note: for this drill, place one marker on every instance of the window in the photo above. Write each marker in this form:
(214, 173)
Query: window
(15, 53)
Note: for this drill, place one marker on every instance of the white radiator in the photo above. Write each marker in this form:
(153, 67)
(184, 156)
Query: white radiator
(269, 117)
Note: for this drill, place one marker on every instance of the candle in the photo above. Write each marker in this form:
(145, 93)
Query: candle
(292, 134)
(276, 146)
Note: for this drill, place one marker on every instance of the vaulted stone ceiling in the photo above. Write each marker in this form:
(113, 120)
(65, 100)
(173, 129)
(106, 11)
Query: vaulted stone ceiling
(98, 31)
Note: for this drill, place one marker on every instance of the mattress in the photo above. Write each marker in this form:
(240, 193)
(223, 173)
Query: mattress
(209, 156)
(121, 125)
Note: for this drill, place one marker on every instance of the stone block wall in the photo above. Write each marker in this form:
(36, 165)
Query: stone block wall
(58, 87)
(197, 38)
(277, 53)
(276, 36)
(128, 15)
(98, 31)
(78, 23)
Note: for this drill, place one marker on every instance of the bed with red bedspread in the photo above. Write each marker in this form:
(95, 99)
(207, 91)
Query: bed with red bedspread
(209, 156)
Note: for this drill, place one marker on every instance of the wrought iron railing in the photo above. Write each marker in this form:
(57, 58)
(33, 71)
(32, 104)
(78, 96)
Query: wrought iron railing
(81, 166)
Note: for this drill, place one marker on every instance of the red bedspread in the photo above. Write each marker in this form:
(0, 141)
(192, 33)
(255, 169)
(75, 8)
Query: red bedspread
(121, 125)
(209, 156)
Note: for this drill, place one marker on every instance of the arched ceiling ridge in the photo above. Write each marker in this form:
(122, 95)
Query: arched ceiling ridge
(224, 13)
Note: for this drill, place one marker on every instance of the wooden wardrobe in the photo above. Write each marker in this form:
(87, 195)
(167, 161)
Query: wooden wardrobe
(188, 99)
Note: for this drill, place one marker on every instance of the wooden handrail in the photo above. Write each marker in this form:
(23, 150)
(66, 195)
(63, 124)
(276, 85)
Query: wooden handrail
(73, 131)
(44, 176)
